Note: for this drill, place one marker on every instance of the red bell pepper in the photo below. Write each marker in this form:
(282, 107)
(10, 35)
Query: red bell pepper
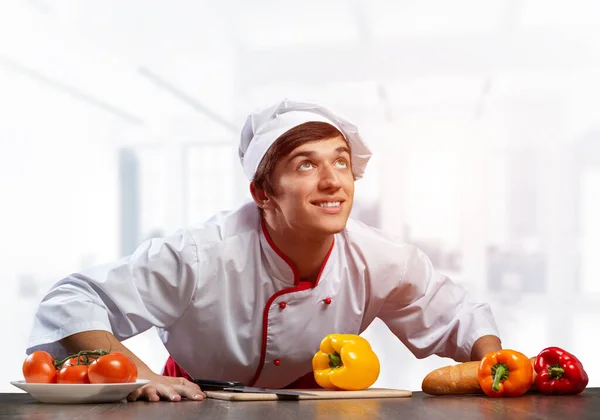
(559, 372)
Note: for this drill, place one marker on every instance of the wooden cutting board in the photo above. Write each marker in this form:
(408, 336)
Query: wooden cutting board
(320, 394)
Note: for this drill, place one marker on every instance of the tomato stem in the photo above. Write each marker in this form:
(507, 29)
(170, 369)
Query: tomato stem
(86, 357)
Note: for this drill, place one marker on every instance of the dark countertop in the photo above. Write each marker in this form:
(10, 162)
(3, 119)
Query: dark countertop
(419, 406)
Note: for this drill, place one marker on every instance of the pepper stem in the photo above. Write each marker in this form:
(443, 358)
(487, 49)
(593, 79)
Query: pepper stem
(335, 360)
(556, 372)
(500, 373)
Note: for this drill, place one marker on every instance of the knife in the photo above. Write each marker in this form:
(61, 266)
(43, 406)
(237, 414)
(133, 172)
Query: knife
(211, 385)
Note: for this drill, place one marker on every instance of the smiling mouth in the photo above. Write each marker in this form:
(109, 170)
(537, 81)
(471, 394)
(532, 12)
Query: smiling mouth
(328, 204)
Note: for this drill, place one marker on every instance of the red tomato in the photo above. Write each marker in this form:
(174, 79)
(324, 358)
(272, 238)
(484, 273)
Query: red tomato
(110, 369)
(39, 368)
(134, 371)
(73, 374)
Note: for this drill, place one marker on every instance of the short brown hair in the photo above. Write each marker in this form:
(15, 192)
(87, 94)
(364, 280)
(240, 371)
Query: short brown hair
(288, 141)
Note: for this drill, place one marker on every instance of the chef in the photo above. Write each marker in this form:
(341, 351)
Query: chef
(249, 294)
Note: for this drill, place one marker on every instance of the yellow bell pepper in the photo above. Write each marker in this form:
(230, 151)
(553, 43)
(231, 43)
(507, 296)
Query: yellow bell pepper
(345, 361)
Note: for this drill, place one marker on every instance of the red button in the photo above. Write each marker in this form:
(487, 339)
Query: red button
(282, 305)
(327, 301)
(276, 362)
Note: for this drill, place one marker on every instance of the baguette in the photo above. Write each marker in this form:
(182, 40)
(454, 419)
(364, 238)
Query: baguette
(453, 380)
(456, 379)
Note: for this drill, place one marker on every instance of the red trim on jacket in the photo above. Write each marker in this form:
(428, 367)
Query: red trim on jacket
(281, 254)
(298, 286)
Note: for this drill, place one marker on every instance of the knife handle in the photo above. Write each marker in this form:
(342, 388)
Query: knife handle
(209, 384)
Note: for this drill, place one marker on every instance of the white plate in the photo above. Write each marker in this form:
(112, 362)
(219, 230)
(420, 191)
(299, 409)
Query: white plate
(79, 393)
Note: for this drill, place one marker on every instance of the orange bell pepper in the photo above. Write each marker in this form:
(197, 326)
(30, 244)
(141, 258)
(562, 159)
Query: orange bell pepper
(345, 361)
(505, 373)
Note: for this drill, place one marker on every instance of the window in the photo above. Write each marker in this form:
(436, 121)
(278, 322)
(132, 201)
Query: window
(209, 180)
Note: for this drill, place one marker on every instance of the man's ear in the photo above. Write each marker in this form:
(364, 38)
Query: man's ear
(260, 197)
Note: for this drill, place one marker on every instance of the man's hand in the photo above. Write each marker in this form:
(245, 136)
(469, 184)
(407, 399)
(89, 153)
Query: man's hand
(485, 345)
(167, 388)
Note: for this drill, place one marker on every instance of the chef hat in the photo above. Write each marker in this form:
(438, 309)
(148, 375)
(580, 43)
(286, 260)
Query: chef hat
(262, 129)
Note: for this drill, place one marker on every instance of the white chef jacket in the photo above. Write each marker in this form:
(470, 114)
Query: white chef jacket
(229, 305)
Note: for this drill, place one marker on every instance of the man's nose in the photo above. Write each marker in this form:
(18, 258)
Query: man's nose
(329, 178)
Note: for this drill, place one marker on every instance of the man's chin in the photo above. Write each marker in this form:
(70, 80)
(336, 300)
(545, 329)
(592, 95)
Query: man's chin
(332, 227)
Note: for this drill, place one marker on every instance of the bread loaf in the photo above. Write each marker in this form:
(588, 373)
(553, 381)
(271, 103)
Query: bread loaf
(451, 380)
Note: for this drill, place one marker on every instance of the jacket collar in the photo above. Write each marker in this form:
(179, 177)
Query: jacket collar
(280, 266)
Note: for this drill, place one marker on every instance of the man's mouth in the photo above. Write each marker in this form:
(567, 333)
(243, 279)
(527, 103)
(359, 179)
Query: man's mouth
(329, 204)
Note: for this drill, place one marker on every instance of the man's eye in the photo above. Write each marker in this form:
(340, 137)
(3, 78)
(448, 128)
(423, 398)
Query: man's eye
(304, 166)
(342, 163)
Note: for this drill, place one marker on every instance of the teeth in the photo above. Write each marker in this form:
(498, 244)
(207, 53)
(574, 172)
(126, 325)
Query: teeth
(330, 204)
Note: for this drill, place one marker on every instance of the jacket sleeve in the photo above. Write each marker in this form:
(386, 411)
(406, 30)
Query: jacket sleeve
(152, 287)
(431, 314)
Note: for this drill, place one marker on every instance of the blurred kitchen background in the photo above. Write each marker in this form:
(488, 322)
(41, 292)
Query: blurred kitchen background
(119, 121)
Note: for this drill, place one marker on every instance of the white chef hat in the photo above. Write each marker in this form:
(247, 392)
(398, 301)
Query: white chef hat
(262, 129)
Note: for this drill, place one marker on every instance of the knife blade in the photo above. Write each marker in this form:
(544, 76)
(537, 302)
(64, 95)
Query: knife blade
(234, 386)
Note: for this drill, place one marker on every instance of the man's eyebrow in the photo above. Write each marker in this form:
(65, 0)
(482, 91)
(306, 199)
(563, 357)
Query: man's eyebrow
(311, 153)
(342, 149)
(306, 153)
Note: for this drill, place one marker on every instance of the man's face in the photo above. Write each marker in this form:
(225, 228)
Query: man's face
(314, 187)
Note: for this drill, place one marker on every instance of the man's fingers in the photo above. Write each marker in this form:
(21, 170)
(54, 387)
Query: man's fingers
(134, 395)
(190, 391)
(147, 392)
(171, 390)
(151, 394)
(140, 393)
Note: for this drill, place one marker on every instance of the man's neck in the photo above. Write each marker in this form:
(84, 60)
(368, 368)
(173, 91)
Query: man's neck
(305, 251)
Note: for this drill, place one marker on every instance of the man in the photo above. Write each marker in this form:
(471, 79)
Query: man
(249, 295)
